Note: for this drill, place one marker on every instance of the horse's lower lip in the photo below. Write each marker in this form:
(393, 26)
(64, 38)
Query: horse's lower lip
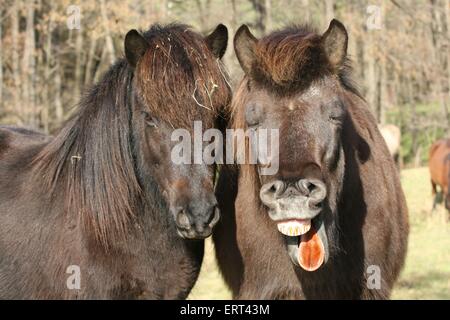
(292, 219)
(192, 235)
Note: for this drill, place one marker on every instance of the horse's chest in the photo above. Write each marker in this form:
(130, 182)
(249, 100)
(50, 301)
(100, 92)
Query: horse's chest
(167, 274)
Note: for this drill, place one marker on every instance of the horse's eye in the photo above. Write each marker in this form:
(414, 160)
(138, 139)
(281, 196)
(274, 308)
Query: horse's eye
(252, 114)
(336, 118)
(149, 120)
(249, 86)
(336, 114)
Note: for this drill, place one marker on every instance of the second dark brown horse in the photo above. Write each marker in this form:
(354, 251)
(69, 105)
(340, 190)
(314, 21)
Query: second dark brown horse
(332, 223)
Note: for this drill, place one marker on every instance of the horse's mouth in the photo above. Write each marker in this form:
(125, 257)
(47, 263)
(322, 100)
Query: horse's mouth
(193, 235)
(297, 209)
(306, 240)
(190, 228)
(294, 227)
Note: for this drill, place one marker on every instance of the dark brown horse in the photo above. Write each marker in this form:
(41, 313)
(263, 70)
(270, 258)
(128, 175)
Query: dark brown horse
(102, 200)
(439, 164)
(332, 223)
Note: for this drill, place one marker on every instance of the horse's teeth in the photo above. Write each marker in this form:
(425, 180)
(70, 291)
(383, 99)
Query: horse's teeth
(294, 228)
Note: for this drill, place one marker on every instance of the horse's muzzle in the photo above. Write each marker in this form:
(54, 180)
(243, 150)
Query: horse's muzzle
(196, 222)
(293, 200)
(297, 207)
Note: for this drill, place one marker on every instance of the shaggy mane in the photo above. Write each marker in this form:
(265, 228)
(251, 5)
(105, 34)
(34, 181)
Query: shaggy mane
(176, 70)
(91, 159)
(289, 60)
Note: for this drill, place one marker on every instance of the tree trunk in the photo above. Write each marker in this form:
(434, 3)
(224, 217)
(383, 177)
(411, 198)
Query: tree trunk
(59, 111)
(28, 66)
(370, 73)
(440, 50)
(15, 59)
(234, 15)
(413, 125)
(98, 72)
(47, 101)
(88, 72)
(1, 62)
(447, 27)
(269, 22)
(203, 9)
(380, 94)
(382, 74)
(78, 63)
(306, 11)
(261, 15)
(329, 10)
(108, 38)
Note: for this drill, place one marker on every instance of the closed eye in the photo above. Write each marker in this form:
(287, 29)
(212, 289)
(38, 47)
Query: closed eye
(253, 115)
(337, 114)
(336, 118)
(149, 120)
(252, 124)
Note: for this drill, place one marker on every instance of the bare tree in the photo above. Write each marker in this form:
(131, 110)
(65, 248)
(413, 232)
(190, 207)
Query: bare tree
(108, 37)
(441, 53)
(269, 23)
(261, 15)
(28, 65)
(1, 61)
(15, 58)
(329, 9)
(78, 62)
(88, 72)
(204, 8)
(306, 11)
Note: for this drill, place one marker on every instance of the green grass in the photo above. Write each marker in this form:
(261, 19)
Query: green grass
(427, 270)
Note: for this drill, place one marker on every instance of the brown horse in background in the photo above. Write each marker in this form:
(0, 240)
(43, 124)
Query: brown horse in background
(392, 136)
(333, 222)
(103, 196)
(439, 164)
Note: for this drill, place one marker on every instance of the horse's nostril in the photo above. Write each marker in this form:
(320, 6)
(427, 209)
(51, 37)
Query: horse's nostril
(183, 219)
(311, 187)
(314, 189)
(313, 204)
(277, 187)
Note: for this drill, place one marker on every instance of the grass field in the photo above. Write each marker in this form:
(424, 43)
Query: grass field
(427, 271)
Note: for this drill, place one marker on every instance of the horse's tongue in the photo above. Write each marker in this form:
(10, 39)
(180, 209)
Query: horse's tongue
(311, 252)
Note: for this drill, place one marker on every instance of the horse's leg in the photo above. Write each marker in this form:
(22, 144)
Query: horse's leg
(434, 194)
(446, 196)
(447, 204)
(397, 161)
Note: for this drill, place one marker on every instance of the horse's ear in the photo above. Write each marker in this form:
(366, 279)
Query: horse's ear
(244, 46)
(335, 41)
(135, 46)
(217, 41)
